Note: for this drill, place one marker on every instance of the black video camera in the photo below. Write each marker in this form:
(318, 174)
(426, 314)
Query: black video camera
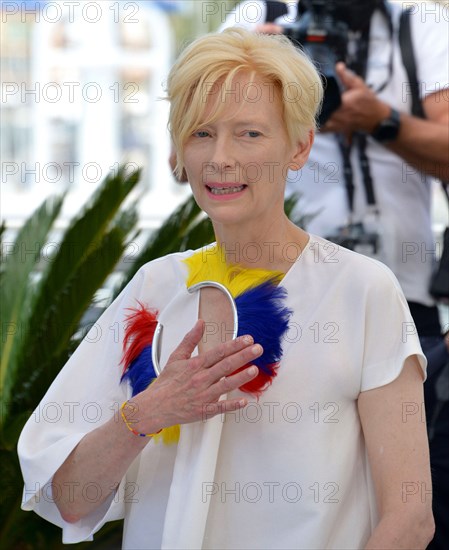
(324, 38)
(322, 30)
(355, 237)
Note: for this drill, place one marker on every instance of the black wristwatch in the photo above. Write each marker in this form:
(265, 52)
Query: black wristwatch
(388, 129)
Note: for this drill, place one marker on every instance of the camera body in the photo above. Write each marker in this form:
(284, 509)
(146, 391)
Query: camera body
(355, 236)
(324, 37)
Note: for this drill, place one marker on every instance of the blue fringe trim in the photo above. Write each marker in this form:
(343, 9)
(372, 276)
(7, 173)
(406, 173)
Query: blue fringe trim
(140, 372)
(262, 315)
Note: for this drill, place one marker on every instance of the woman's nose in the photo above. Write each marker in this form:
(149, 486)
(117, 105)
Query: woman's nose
(223, 153)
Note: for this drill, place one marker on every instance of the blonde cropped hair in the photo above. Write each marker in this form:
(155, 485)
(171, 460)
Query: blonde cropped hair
(212, 61)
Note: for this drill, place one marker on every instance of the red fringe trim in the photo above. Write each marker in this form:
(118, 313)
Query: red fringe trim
(139, 332)
(262, 380)
(141, 324)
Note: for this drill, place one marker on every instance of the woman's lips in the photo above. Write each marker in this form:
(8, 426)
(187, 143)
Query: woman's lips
(223, 191)
(227, 189)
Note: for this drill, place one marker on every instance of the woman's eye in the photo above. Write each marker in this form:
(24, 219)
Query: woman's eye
(253, 133)
(201, 134)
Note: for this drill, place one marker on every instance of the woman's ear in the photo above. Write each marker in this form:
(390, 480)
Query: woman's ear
(302, 149)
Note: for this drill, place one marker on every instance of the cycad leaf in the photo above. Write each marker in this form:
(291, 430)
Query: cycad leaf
(80, 239)
(127, 219)
(299, 219)
(290, 203)
(82, 235)
(15, 288)
(2, 230)
(61, 322)
(166, 239)
(199, 234)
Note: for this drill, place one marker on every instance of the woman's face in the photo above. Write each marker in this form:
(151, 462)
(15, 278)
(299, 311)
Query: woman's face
(237, 166)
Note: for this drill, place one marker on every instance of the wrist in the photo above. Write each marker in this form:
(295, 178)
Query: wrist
(132, 419)
(387, 130)
(382, 112)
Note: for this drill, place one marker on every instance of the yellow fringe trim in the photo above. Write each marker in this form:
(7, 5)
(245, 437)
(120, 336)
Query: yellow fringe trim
(209, 264)
(168, 435)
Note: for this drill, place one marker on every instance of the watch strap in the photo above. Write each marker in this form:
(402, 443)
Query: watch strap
(388, 129)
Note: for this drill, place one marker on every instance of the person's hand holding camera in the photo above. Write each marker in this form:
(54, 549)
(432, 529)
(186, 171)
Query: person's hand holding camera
(360, 110)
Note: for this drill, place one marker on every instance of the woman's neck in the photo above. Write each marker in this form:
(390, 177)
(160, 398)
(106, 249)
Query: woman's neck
(276, 246)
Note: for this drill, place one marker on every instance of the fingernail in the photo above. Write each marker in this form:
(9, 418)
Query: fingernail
(256, 349)
(253, 371)
(248, 339)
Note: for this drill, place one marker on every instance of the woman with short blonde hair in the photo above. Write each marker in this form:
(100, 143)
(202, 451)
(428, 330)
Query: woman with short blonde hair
(264, 425)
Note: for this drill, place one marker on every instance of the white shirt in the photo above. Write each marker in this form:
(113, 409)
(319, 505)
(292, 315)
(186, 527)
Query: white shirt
(289, 471)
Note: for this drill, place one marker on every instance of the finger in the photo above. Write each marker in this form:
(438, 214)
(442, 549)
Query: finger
(227, 405)
(222, 351)
(229, 365)
(269, 28)
(189, 342)
(230, 383)
(333, 122)
(336, 123)
(348, 78)
(330, 126)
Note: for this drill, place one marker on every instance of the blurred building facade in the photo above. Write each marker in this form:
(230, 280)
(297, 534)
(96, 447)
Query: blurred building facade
(81, 92)
(80, 89)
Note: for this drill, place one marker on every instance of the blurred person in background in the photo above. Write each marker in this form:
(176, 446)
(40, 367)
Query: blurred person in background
(367, 182)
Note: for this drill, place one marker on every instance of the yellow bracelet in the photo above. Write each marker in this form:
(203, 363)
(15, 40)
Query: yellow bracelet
(125, 420)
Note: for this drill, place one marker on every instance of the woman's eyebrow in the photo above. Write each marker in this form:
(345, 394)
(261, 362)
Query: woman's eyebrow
(252, 122)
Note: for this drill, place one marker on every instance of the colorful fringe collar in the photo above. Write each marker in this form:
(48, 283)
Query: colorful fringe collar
(261, 313)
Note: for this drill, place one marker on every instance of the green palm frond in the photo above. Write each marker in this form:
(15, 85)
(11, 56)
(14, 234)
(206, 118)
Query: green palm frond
(127, 219)
(67, 285)
(298, 218)
(199, 234)
(81, 236)
(57, 329)
(290, 203)
(167, 238)
(2, 230)
(15, 288)
(50, 312)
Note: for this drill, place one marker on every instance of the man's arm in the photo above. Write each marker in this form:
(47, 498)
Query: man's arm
(396, 439)
(423, 143)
